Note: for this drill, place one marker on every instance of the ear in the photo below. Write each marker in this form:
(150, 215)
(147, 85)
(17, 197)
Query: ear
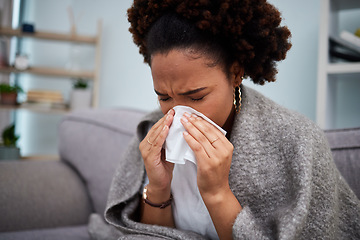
(237, 73)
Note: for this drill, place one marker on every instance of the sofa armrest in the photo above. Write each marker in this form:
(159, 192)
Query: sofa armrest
(345, 147)
(41, 194)
(93, 141)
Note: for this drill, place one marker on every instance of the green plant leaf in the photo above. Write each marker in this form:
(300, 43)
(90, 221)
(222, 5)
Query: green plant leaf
(80, 84)
(8, 136)
(6, 88)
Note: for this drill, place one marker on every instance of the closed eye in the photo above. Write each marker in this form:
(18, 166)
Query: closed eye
(164, 99)
(197, 99)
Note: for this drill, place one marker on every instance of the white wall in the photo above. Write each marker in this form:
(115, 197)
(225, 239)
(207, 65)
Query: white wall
(295, 87)
(126, 80)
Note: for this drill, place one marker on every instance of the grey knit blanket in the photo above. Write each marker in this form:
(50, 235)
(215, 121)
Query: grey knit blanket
(282, 173)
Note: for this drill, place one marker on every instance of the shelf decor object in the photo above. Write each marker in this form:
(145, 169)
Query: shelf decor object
(351, 38)
(8, 94)
(80, 97)
(21, 62)
(8, 148)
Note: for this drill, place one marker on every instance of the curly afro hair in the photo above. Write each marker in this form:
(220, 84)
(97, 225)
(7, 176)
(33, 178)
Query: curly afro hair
(246, 31)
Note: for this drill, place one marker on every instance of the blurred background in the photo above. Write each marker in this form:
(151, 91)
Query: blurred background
(310, 81)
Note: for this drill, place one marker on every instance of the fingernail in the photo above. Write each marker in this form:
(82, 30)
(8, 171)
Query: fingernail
(186, 115)
(164, 128)
(169, 111)
(185, 133)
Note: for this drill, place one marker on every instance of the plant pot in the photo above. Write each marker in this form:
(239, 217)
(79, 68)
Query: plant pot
(8, 98)
(80, 99)
(9, 153)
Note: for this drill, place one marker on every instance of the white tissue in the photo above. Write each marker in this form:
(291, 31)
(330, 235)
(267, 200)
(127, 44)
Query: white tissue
(177, 149)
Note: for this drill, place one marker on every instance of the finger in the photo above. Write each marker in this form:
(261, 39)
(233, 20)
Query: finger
(156, 154)
(157, 128)
(206, 133)
(195, 146)
(198, 137)
(210, 131)
(147, 143)
(159, 137)
(153, 147)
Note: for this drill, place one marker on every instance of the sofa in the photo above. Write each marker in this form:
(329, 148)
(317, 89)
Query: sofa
(54, 199)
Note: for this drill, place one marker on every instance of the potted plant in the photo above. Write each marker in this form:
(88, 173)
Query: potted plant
(80, 95)
(8, 149)
(8, 94)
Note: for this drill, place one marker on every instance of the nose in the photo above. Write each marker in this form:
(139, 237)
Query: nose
(166, 108)
(179, 102)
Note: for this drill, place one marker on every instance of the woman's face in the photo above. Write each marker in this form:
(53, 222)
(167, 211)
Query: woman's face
(184, 78)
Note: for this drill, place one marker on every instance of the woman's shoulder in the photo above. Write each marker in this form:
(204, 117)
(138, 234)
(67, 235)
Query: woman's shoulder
(261, 114)
(278, 134)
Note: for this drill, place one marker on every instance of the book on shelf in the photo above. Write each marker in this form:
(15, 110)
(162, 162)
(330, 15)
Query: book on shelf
(44, 96)
(341, 51)
(350, 37)
(45, 99)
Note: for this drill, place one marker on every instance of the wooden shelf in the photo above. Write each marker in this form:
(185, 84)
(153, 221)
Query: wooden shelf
(50, 72)
(35, 108)
(49, 36)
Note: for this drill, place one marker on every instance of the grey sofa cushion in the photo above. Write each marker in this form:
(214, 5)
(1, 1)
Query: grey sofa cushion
(345, 146)
(93, 142)
(66, 233)
(41, 194)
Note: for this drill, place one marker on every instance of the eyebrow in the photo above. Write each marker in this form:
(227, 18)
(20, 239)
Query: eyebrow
(183, 94)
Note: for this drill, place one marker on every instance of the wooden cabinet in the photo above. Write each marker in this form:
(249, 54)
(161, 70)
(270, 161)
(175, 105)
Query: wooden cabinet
(331, 72)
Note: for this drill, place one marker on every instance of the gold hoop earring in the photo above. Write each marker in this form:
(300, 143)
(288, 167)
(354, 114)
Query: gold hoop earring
(237, 98)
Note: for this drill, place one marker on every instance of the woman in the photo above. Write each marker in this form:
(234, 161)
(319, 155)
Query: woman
(271, 176)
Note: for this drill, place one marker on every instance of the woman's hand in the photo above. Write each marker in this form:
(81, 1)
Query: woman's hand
(158, 170)
(213, 153)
